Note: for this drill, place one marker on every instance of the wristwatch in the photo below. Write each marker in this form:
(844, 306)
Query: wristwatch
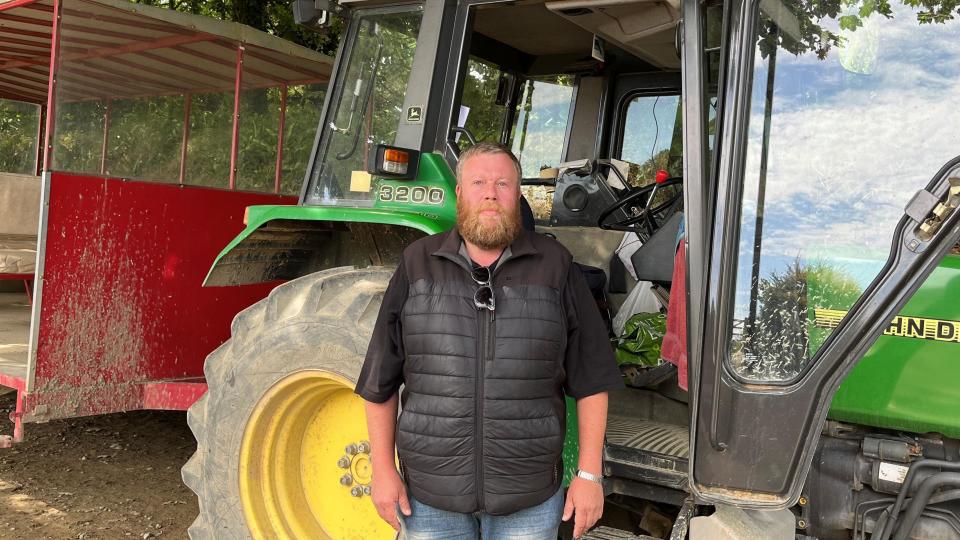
(598, 478)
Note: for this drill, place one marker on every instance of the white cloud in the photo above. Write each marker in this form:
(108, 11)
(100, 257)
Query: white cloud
(848, 151)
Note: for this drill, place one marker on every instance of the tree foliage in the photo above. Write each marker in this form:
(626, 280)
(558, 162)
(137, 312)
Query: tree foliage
(540, 119)
(144, 135)
(18, 136)
(271, 16)
(783, 338)
(485, 118)
(208, 157)
(813, 35)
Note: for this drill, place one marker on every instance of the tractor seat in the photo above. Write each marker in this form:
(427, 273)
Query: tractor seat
(595, 277)
(653, 261)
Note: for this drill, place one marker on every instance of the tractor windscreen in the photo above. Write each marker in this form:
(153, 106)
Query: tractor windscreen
(850, 113)
(365, 106)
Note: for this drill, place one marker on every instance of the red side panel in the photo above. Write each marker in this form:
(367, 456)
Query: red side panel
(122, 305)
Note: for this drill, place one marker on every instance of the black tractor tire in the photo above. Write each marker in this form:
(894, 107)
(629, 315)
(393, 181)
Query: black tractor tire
(320, 323)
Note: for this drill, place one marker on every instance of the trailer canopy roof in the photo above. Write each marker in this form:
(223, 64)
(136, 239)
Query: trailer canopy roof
(116, 49)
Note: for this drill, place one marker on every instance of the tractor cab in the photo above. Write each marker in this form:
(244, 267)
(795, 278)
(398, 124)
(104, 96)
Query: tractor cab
(758, 188)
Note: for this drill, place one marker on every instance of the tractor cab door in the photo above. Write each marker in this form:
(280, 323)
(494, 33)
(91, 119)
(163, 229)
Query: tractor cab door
(818, 200)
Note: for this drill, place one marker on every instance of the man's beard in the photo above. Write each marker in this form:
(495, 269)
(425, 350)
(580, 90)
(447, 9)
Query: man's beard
(487, 233)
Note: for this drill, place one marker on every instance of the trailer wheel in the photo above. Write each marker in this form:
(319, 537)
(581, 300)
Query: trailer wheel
(282, 440)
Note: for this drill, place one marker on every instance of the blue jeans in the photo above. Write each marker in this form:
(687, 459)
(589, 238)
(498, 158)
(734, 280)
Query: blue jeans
(536, 523)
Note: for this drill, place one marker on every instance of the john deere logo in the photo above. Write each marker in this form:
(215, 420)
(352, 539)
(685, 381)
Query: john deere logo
(901, 326)
(414, 115)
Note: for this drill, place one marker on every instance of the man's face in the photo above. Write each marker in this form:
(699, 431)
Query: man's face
(488, 201)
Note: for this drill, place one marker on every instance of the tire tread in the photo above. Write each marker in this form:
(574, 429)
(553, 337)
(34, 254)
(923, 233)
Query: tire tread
(344, 298)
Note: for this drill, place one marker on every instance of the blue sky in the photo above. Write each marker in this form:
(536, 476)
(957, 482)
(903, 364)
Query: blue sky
(853, 137)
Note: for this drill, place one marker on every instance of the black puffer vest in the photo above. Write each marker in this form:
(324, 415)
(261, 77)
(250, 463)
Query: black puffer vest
(482, 425)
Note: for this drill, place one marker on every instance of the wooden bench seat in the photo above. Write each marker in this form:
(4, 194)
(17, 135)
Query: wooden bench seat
(19, 220)
(18, 254)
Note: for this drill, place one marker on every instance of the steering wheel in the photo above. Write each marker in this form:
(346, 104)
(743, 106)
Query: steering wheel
(650, 216)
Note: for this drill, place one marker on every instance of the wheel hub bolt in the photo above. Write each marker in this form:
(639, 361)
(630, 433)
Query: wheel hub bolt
(366, 490)
(356, 491)
(344, 462)
(346, 479)
(364, 447)
(351, 449)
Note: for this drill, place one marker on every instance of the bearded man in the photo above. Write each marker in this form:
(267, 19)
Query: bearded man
(487, 327)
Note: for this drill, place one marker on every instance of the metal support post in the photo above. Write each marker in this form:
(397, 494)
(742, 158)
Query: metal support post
(235, 139)
(106, 137)
(278, 174)
(187, 105)
(52, 85)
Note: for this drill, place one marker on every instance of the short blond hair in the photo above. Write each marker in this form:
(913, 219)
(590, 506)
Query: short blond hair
(486, 148)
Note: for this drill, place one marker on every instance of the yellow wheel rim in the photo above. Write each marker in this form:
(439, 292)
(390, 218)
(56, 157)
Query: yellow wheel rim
(305, 464)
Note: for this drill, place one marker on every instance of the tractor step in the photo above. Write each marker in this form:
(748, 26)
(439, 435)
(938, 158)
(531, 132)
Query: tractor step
(645, 451)
(608, 533)
(655, 437)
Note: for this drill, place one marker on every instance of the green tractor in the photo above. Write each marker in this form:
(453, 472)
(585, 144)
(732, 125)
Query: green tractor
(803, 156)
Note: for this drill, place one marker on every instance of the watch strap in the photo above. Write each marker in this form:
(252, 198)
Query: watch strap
(590, 476)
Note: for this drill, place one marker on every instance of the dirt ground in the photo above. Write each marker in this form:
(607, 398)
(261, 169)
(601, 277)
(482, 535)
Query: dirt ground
(114, 476)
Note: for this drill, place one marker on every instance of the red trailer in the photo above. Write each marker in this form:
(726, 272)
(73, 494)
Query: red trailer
(139, 136)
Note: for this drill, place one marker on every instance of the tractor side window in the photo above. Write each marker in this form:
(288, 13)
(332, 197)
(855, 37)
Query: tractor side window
(652, 135)
(367, 105)
(540, 125)
(479, 111)
(712, 38)
(538, 121)
(849, 115)
(19, 123)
